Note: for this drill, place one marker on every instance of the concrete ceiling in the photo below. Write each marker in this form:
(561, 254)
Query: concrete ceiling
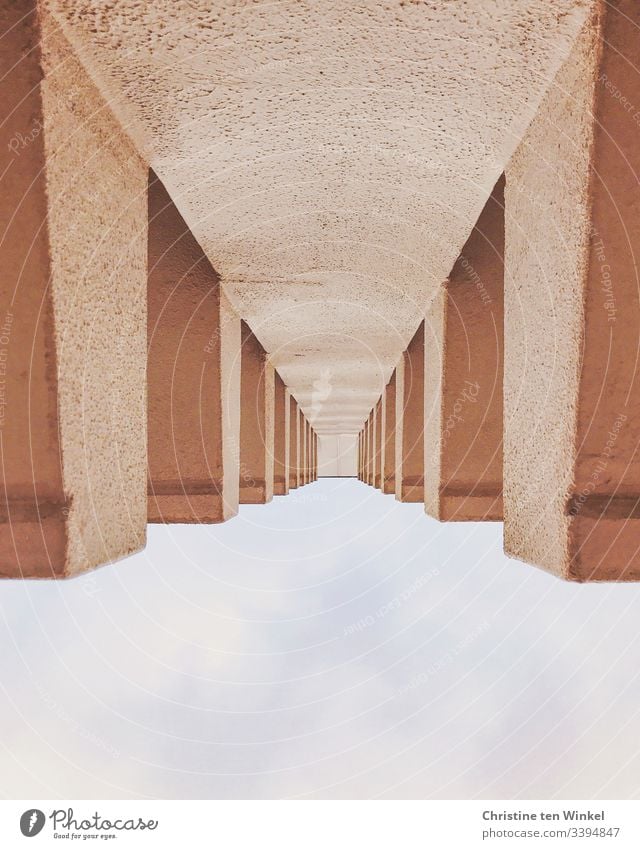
(331, 158)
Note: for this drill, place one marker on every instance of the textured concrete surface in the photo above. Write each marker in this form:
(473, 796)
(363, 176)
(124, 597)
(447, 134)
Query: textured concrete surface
(463, 378)
(377, 482)
(293, 441)
(572, 478)
(331, 159)
(280, 438)
(188, 384)
(257, 397)
(389, 459)
(410, 420)
(73, 315)
(300, 447)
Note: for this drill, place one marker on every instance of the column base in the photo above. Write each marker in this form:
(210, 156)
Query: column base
(465, 506)
(33, 539)
(255, 494)
(185, 503)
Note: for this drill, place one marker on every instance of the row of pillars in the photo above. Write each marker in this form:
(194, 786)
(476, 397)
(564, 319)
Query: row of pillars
(518, 398)
(130, 390)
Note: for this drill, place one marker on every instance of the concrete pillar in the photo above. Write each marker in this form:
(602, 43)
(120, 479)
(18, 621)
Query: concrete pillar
(375, 461)
(389, 456)
(293, 442)
(379, 444)
(256, 421)
(300, 451)
(305, 452)
(463, 378)
(281, 438)
(572, 312)
(369, 428)
(312, 437)
(410, 421)
(313, 451)
(364, 452)
(73, 242)
(193, 389)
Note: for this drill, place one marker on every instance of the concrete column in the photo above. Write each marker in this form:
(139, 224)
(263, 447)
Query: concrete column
(375, 445)
(73, 242)
(463, 378)
(293, 442)
(379, 444)
(572, 312)
(281, 438)
(193, 389)
(256, 421)
(300, 451)
(305, 452)
(363, 434)
(369, 466)
(313, 461)
(372, 447)
(410, 421)
(389, 457)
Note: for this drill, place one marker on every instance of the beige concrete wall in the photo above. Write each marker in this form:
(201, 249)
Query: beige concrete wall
(338, 455)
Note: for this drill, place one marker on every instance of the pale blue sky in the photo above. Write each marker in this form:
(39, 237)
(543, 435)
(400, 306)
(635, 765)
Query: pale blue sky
(331, 644)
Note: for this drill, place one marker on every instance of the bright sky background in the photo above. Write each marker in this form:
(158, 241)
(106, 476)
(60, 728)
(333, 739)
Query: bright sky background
(331, 644)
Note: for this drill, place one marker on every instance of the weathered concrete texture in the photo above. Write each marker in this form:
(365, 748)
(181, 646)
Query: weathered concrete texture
(314, 473)
(300, 450)
(375, 445)
(191, 476)
(389, 477)
(308, 454)
(331, 210)
(370, 459)
(410, 421)
(72, 312)
(463, 378)
(281, 438)
(572, 397)
(303, 449)
(257, 395)
(379, 444)
(293, 441)
(365, 451)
